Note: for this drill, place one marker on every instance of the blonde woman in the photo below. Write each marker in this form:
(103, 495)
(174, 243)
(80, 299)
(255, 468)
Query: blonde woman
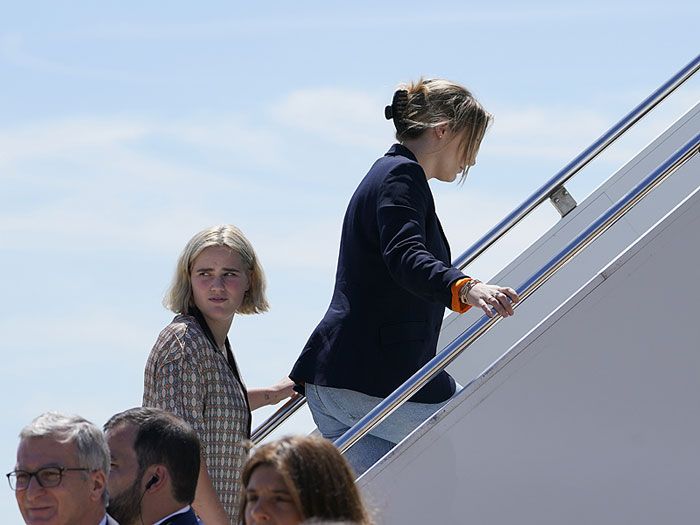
(394, 276)
(192, 372)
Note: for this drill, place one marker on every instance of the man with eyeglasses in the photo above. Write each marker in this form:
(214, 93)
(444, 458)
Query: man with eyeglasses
(61, 473)
(155, 467)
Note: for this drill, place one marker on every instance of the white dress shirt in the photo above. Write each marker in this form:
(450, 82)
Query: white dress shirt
(181, 511)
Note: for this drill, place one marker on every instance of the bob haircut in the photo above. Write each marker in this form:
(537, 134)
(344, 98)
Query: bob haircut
(178, 298)
(318, 478)
(429, 103)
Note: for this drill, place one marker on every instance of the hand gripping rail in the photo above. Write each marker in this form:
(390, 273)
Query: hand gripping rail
(464, 340)
(527, 206)
(276, 419)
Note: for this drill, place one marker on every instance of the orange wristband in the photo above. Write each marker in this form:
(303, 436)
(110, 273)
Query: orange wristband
(457, 305)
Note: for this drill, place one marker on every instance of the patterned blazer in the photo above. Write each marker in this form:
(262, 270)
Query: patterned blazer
(186, 375)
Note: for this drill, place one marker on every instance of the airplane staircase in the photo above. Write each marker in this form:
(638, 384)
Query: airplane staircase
(578, 409)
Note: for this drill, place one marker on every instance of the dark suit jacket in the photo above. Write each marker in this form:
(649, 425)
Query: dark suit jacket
(186, 518)
(392, 286)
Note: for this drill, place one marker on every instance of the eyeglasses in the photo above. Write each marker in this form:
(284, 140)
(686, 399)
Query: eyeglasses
(47, 477)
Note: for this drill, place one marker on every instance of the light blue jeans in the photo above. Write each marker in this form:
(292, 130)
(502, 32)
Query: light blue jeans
(335, 410)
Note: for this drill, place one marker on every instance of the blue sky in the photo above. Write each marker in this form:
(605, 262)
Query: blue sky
(126, 127)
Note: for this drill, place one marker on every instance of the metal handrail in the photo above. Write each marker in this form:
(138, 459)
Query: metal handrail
(543, 193)
(276, 419)
(484, 324)
(530, 204)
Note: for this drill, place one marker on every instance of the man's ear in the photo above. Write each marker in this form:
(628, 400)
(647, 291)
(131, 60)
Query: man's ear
(98, 485)
(156, 477)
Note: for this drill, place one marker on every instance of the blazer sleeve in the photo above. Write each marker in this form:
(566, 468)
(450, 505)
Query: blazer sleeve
(178, 384)
(402, 208)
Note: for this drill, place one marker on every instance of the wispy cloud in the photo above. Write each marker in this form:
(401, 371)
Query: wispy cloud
(562, 133)
(14, 50)
(335, 115)
(138, 183)
(154, 176)
(105, 331)
(544, 133)
(75, 136)
(311, 244)
(383, 16)
(68, 137)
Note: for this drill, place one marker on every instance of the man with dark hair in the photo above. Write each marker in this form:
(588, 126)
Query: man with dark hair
(155, 466)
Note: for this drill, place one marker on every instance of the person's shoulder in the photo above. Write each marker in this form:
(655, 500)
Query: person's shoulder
(399, 159)
(405, 178)
(182, 323)
(184, 332)
(394, 167)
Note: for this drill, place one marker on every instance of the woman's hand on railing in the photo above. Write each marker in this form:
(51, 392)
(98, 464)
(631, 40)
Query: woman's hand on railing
(284, 389)
(490, 297)
(271, 395)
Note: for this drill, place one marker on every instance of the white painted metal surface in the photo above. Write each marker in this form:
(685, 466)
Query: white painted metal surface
(590, 418)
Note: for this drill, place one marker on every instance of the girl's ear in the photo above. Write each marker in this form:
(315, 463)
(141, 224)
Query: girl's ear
(440, 130)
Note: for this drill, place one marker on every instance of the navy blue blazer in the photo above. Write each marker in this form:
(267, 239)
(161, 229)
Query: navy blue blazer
(184, 518)
(391, 289)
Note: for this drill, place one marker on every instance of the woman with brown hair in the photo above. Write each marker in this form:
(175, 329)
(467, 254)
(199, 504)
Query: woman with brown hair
(395, 277)
(300, 479)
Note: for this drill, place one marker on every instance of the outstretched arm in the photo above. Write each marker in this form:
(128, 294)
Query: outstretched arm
(271, 395)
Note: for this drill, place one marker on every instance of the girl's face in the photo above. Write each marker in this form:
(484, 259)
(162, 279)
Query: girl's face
(268, 500)
(219, 282)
